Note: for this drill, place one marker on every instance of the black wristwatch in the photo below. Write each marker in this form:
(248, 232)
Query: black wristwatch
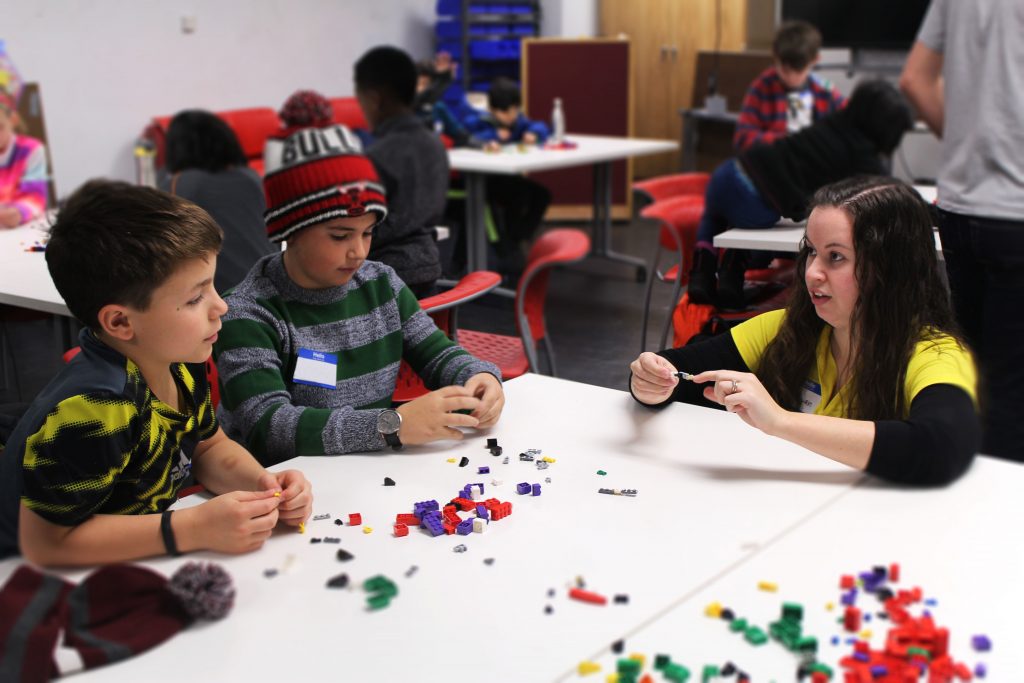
(388, 424)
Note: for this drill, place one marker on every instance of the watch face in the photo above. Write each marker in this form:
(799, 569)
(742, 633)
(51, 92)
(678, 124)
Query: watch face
(388, 422)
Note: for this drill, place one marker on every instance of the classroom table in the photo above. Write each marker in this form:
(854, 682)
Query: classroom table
(598, 151)
(713, 496)
(24, 279)
(786, 235)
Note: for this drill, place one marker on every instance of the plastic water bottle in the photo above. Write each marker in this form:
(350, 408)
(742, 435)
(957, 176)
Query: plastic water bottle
(558, 122)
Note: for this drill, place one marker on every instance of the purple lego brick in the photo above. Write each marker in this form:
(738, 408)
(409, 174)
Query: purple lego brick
(980, 670)
(481, 512)
(465, 527)
(483, 470)
(862, 656)
(522, 488)
(879, 670)
(849, 597)
(434, 524)
(425, 506)
(536, 489)
(981, 643)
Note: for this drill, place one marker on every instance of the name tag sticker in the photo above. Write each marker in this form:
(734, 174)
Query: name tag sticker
(316, 368)
(810, 397)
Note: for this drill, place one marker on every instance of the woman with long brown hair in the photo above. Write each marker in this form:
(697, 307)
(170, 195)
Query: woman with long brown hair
(865, 365)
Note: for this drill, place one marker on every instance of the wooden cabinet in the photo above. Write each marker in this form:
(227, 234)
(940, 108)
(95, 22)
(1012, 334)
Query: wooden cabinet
(666, 35)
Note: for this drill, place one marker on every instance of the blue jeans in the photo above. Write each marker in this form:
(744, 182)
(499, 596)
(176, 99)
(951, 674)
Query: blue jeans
(731, 201)
(985, 265)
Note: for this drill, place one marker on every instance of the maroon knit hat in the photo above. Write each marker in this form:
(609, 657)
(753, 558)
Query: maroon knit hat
(316, 175)
(306, 109)
(116, 612)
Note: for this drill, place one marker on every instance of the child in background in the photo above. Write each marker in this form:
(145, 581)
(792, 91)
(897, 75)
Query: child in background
(518, 204)
(109, 443)
(412, 164)
(314, 337)
(865, 365)
(209, 168)
(766, 182)
(23, 173)
(786, 97)
(435, 114)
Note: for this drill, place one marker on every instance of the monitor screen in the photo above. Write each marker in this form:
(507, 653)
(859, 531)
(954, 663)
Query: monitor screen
(878, 24)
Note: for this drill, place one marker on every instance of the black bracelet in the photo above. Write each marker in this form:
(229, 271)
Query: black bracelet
(168, 534)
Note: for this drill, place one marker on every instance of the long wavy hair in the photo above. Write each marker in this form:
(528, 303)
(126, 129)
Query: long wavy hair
(901, 301)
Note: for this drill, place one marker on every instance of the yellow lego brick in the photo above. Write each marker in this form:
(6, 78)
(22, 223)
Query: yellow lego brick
(637, 657)
(830, 606)
(302, 527)
(714, 610)
(367, 529)
(865, 634)
(769, 586)
(612, 678)
(547, 459)
(587, 668)
(451, 460)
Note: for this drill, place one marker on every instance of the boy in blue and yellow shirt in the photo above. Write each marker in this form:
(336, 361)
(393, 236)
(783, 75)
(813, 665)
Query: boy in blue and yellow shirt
(110, 441)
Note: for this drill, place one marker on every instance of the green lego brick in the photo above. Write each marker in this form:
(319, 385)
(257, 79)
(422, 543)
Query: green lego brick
(710, 671)
(807, 644)
(755, 636)
(792, 611)
(677, 673)
(378, 601)
(823, 668)
(628, 667)
(661, 661)
(737, 625)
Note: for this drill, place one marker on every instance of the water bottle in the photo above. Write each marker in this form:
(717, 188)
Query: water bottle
(558, 122)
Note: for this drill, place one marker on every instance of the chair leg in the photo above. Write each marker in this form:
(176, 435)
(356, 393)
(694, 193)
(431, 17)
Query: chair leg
(677, 287)
(549, 351)
(651, 275)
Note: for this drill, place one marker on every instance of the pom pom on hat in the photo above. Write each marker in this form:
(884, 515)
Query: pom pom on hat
(49, 627)
(306, 109)
(315, 175)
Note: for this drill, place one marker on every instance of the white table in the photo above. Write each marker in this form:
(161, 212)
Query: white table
(786, 235)
(24, 279)
(704, 481)
(595, 150)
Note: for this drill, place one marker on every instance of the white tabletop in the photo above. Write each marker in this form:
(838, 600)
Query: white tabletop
(24, 278)
(787, 235)
(947, 541)
(590, 149)
(705, 481)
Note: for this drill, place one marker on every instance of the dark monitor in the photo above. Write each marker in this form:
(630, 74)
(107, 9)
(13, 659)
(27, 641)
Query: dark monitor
(870, 24)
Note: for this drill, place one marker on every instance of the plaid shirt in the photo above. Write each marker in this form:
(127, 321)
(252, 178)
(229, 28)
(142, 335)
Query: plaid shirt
(765, 115)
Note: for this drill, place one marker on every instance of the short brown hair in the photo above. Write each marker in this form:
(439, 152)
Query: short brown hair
(116, 243)
(796, 44)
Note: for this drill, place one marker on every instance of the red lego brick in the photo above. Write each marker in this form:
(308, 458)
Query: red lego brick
(819, 677)
(464, 504)
(851, 619)
(587, 596)
(401, 529)
(407, 518)
(355, 519)
(449, 528)
(894, 573)
(846, 582)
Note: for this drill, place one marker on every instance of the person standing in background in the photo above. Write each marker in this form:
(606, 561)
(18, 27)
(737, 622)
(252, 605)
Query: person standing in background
(964, 76)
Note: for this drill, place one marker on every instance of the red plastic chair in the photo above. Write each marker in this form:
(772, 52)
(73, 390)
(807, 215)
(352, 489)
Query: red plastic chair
(670, 186)
(444, 308)
(516, 356)
(347, 112)
(678, 218)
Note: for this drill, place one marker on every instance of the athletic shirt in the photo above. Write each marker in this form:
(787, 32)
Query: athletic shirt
(934, 361)
(98, 441)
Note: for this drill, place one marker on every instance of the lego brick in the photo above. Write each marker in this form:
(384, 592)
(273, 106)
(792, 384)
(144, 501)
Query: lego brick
(355, 519)
(401, 530)
(535, 489)
(587, 596)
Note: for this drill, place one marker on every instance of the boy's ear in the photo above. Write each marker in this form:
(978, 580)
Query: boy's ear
(115, 320)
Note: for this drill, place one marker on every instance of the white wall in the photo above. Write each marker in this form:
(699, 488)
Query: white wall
(105, 67)
(569, 18)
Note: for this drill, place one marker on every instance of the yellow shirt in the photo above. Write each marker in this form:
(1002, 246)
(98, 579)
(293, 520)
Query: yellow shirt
(934, 361)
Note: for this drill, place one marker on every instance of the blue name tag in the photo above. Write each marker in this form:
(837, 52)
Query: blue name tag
(316, 368)
(810, 397)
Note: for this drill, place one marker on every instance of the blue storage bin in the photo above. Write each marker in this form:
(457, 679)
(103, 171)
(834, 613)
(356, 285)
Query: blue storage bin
(451, 30)
(488, 8)
(449, 7)
(452, 47)
(494, 49)
(487, 29)
(523, 29)
(519, 9)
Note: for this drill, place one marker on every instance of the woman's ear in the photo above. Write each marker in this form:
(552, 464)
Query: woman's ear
(115, 320)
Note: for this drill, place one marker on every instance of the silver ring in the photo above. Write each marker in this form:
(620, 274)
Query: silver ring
(735, 386)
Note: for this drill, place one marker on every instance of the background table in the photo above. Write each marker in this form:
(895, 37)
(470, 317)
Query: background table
(24, 279)
(598, 151)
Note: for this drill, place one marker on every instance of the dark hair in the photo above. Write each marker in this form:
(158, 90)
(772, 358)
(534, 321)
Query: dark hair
(796, 44)
(879, 111)
(425, 67)
(901, 300)
(116, 243)
(388, 71)
(199, 139)
(503, 94)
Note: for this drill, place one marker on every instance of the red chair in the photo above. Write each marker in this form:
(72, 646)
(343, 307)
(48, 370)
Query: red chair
(443, 308)
(671, 186)
(516, 356)
(347, 112)
(678, 218)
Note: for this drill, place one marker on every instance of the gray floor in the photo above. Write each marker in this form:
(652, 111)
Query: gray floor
(594, 312)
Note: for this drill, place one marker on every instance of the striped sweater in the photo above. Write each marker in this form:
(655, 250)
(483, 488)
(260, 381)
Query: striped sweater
(770, 111)
(371, 323)
(23, 177)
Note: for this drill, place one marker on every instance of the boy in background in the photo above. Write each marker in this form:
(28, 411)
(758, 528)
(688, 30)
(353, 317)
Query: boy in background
(517, 203)
(786, 97)
(313, 341)
(108, 444)
(412, 164)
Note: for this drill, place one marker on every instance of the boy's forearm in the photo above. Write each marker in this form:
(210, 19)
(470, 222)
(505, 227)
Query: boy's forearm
(227, 466)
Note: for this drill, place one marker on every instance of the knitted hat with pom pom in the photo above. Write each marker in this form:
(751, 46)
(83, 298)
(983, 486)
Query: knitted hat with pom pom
(50, 628)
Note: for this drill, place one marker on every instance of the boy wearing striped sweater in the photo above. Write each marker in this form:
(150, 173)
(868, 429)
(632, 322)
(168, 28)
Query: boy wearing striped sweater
(314, 336)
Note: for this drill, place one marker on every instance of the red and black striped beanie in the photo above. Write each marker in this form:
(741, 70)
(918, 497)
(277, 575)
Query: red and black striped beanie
(315, 175)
